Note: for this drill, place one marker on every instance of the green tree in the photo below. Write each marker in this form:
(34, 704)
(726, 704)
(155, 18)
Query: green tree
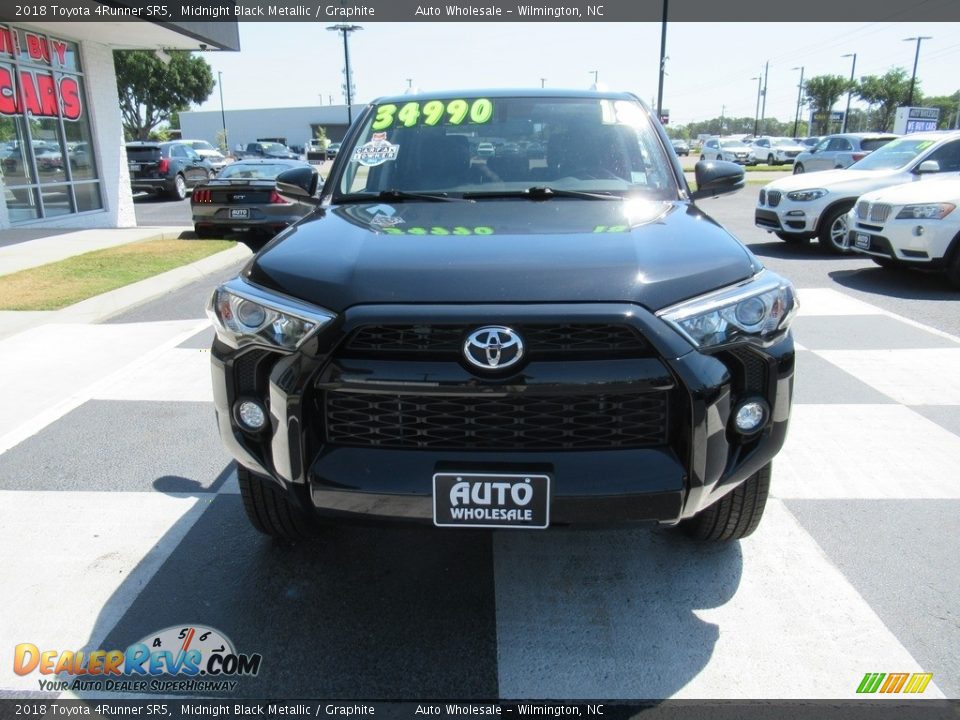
(151, 91)
(822, 92)
(948, 109)
(884, 94)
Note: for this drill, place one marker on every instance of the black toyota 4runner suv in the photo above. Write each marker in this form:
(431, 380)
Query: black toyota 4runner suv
(506, 311)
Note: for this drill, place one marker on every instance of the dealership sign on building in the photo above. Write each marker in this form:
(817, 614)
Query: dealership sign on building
(41, 93)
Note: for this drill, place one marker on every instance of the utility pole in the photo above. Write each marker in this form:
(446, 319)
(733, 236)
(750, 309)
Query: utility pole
(346, 29)
(223, 115)
(796, 119)
(916, 58)
(543, 82)
(663, 58)
(756, 115)
(853, 69)
(723, 110)
(596, 74)
(763, 111)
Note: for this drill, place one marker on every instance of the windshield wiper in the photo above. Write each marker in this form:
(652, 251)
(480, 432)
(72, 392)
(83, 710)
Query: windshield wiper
(394, 195)
(540, 192)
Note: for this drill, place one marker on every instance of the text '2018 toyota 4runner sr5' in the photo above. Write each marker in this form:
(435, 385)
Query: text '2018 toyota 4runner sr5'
(548, 334)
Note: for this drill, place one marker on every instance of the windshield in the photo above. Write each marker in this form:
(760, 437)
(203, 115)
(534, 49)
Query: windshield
(732, 144)
(506, 145)
(252, 171)
(782, 142)
(893, 155)
(274, 149)
(201, 145)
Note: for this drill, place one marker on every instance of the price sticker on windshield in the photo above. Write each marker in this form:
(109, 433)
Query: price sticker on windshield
(433, 112)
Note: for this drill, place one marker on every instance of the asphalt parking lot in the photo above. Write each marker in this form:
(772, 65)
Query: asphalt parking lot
(852, 569)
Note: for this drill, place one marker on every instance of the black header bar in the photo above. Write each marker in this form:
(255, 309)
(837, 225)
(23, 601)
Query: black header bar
(334, 11)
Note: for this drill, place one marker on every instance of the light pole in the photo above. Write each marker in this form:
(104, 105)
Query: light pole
(346, 29)
(796, 119)
(763, 109)
(596, 74)
(543, 82)
(663, 58)
(756, 115)
(916, 57)
(723, 110)
(223, 115)
(853, 69)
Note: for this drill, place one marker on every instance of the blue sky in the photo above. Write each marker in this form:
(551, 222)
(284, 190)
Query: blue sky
(709, 65)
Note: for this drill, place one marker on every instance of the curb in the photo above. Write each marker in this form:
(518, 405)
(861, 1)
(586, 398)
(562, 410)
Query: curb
(104, 306)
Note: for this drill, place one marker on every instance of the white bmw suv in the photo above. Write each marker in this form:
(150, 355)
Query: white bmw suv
(800, 207)
(913, 225)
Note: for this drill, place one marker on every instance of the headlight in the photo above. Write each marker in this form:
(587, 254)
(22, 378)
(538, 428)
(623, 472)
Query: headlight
(245, 314)
(806, 195)
(763, 305)
(933, 211)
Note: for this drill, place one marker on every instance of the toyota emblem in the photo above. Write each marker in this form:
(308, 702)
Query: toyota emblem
(493, 347)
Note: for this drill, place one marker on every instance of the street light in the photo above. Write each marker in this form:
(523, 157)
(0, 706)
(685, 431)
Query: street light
(853, 69)
(223, 115)
(346, 29)
(916, 57)
(596, 74)
(796, 119)
(756, 116)
(543, 82)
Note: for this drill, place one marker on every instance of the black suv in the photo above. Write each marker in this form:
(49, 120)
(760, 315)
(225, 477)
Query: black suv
(166, 167)
(515, 341)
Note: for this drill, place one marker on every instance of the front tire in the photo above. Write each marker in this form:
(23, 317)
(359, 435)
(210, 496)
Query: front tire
(953, 269)
(798, 169)
(772, 161)
(736, 515)
(269, 510)
(833, 229)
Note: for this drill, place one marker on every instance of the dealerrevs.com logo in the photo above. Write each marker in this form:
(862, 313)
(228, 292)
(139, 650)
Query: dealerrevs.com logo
(180, 658)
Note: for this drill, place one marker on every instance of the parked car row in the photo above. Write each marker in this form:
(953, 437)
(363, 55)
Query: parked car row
(896, 204)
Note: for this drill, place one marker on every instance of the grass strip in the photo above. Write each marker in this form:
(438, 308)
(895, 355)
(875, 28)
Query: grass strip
(57, 285)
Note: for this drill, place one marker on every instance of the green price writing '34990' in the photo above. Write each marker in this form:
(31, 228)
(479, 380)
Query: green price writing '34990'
(433, 112)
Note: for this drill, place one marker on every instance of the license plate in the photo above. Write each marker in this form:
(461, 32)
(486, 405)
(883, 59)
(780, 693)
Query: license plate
(239, 213)
(491, 500)
(134, 166)
(862, 241)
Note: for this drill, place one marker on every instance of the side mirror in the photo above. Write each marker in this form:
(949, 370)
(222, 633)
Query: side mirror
(717, 177)
(928, 166)
(299, 185)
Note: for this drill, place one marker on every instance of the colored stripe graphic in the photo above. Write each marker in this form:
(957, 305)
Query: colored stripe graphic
(894, 682)
(870, 682)
(918, 682)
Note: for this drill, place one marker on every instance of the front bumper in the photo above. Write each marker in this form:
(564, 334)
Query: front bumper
(699, 460)
(783, 215)
(919, 243)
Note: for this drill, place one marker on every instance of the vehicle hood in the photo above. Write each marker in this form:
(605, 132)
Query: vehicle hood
(860, 181)
(787, 148)
(503, 251)
(210, 154)
(929, 190)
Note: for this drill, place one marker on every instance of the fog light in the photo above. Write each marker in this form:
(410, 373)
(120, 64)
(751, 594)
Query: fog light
(750, 416)
(251, 415)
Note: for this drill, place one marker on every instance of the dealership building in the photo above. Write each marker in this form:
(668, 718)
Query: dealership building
(292, 126)
(62, 157)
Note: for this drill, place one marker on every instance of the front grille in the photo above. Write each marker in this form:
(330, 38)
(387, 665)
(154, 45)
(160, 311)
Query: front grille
(497, 422)
(874, 212)
(879, 212)
(541, 341)
(763, 197)
(774, 197)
